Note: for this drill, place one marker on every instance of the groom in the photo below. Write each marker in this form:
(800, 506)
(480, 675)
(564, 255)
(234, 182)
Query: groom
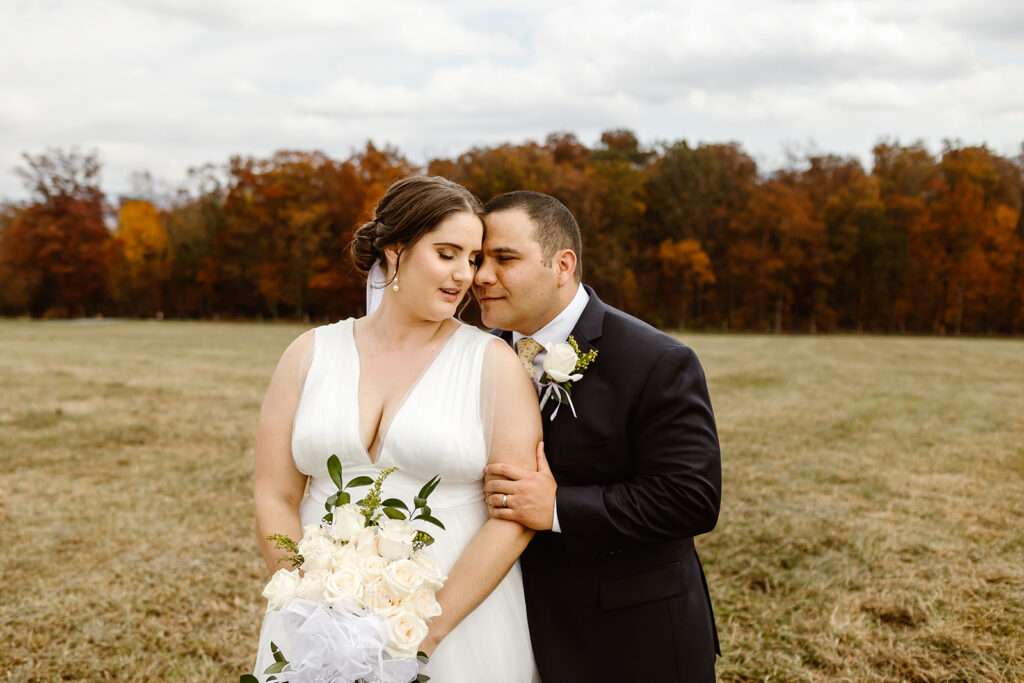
(614, 588)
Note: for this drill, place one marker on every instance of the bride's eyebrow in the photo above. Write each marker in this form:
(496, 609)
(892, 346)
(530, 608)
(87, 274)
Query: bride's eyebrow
(457, 247)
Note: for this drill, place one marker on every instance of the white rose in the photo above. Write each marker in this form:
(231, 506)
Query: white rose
(313, 530)
(560, 361)
(366, 541)
(395, 541)
(311, 587)
(348, 522)
(379, 598)
(372, 566)
(281, 589)
(345, 556)
(404, 577)
(316, 550)
(344, 589)
(423, 604)
(405, 633)
(432, 577)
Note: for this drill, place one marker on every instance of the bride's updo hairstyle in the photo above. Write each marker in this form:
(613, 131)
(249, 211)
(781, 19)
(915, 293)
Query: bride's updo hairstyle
(409, 209)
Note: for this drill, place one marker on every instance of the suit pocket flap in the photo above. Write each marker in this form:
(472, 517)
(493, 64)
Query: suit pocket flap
(636, 589)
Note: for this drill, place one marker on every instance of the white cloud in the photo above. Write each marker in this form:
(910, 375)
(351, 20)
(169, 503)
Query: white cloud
(166, 84)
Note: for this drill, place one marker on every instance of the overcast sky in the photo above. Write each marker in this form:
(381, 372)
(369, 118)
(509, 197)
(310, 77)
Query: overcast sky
(162, 85)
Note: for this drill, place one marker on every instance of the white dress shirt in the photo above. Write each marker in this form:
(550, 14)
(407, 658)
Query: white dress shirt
(556, 332)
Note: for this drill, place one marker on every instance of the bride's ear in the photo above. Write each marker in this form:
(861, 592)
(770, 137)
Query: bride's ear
(392, 252)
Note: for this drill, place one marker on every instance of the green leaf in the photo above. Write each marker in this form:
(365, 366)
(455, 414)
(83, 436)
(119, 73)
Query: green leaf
(419, 502)
(424, 511)
(276, 651)
(422, 657)
(334, 469)
(359, 481)
(426, 538)
(422, 678)
(276, 668)
(432, 520)
(394, 513)
(344, 498)
(248, 678)
(429, 487)
(329, 517)
(395, 503)
(331, 501)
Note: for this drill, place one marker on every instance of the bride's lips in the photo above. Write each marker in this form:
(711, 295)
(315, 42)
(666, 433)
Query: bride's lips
(451, 293)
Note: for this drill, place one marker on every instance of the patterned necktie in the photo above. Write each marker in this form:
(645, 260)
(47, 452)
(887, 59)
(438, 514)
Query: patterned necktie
(528, 348)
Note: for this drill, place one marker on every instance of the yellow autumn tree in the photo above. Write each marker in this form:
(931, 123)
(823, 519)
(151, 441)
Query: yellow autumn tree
(144, 245)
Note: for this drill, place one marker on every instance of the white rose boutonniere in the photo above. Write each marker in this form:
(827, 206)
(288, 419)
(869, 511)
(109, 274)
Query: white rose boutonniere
(563, 365)
(560, 363)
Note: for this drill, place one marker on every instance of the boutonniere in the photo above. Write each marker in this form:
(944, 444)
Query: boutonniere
(563, 365)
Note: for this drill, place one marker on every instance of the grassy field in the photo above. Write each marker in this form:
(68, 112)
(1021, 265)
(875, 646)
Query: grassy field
(870, 528)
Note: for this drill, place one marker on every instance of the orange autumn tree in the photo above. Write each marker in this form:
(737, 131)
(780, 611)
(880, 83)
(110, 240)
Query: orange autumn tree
(55, 249)
(685, 264)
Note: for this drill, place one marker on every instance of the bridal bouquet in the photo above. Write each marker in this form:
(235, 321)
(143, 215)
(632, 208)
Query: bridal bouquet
(358, 609)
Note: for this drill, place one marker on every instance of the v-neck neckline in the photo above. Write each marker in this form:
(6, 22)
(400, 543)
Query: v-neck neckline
(382, 434)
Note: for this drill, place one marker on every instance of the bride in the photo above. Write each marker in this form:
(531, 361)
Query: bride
(409, 386)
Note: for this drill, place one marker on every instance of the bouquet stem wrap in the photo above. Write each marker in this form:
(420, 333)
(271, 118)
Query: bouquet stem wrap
(330, 645)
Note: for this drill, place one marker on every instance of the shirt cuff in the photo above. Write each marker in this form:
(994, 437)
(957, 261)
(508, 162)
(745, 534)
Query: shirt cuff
(554, 518)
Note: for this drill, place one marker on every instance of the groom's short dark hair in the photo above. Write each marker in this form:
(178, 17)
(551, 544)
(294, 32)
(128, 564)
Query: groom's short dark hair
(556, 228)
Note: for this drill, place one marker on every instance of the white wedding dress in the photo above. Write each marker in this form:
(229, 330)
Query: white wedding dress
(440, 428)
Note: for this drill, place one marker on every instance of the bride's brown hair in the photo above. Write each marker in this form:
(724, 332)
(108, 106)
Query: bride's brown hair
(411, 208)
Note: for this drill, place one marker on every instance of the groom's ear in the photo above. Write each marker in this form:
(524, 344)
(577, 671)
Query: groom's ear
(565, 266)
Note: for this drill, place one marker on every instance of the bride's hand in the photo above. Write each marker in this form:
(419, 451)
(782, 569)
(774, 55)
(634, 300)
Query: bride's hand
(428, 645)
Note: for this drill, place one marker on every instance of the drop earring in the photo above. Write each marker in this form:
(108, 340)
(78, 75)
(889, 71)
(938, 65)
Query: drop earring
(394, 287)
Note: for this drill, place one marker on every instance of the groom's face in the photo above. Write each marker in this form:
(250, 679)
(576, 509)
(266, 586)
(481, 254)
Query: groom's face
(516, 290)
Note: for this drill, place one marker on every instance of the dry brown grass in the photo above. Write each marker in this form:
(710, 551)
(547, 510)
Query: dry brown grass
(869, 526)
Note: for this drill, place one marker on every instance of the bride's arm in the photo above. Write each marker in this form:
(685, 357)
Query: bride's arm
(495, 548)
(278, 484)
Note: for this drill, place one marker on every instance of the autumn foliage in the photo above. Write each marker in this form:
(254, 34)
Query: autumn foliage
(684, 237)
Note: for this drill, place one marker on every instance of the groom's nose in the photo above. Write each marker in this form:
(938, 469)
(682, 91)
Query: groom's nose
(484, 273)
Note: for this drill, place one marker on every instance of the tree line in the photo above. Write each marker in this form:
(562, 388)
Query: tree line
(682, 236)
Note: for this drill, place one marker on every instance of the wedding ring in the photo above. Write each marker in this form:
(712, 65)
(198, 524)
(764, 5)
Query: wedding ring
(504, 500)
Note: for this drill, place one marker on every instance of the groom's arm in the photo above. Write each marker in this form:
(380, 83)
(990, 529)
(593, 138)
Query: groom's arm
(675, 488)
(673, 492)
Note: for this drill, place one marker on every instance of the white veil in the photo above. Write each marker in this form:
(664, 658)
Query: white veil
(376, 281)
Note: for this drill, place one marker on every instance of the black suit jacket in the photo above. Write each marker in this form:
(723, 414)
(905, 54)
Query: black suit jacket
(620, 595)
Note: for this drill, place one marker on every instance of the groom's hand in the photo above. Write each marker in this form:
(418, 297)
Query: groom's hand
(530, 495)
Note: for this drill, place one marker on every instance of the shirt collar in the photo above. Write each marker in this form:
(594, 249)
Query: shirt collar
(561, 326)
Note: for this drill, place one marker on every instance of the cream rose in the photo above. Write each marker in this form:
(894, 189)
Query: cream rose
(316, 550)
(423, 604)
(379, 598)
(372, 566)
(560, 362)
(366, 541)
(432, 576)
(344, 589)
(281, 589)
(403, 577)
(348, 522)
(311, 587)
(405, 633)
(345, 556)
(395, 539)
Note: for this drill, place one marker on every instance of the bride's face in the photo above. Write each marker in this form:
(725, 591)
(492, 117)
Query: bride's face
(436, 272)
